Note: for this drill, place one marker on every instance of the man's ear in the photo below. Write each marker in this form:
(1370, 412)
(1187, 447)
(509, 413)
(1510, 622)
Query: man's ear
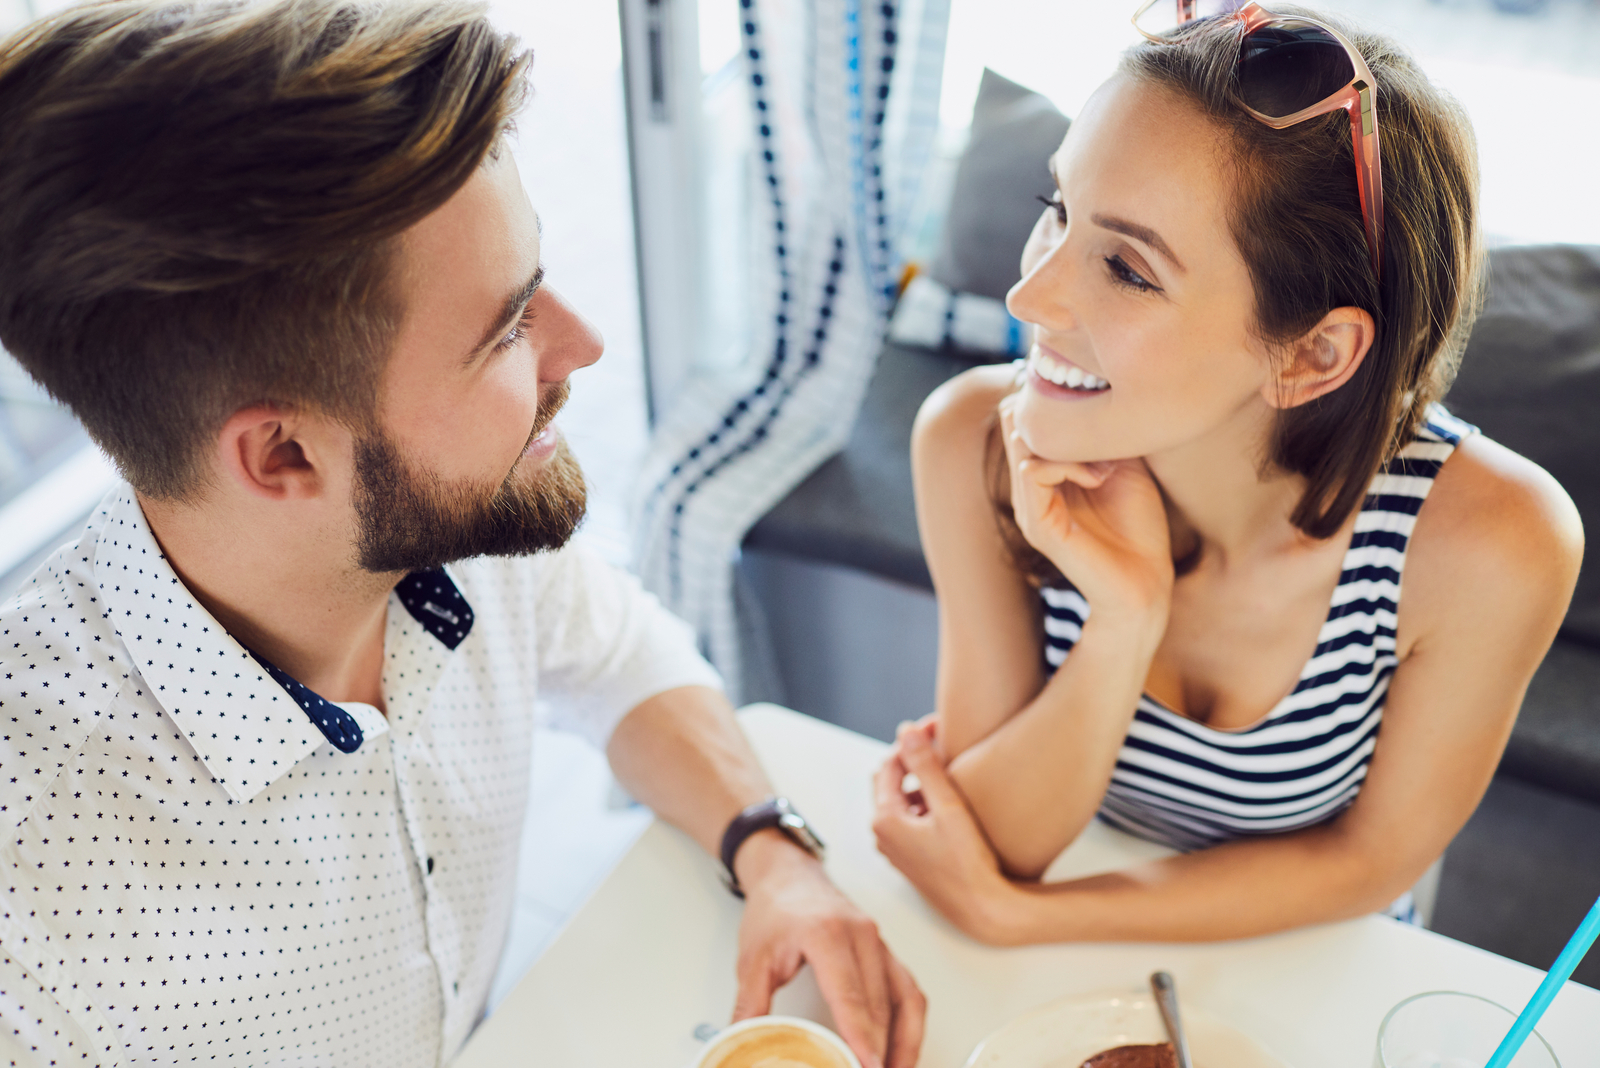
(1323, 359)
(264, 451)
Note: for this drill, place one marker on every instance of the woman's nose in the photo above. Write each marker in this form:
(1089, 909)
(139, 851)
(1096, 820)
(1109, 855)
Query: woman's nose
(1042, 296)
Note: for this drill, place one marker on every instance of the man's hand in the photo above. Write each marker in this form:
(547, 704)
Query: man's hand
(793, 916)
(681, 752)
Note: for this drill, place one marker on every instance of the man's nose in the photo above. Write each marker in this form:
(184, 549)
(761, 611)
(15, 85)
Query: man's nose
(567, 341)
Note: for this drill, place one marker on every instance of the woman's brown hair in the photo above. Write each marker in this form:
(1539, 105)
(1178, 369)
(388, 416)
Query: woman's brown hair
(1296, 218)
(199, 200)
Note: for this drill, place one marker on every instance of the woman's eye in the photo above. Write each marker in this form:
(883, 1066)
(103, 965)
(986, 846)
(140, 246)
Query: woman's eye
(1055, 205)
(1122, 274)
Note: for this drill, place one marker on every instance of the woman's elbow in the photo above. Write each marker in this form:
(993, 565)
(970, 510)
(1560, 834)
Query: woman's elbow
(1375, 874)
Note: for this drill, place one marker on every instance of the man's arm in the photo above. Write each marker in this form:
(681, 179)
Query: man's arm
(682, 753)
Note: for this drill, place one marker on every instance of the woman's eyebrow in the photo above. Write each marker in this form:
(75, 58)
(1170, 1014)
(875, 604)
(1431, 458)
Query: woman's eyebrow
(1140, 233)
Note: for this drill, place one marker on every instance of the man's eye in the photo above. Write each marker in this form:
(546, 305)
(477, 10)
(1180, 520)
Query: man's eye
(517, 333)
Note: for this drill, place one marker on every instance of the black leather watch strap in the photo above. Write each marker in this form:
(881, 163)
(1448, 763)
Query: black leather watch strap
(774, 812)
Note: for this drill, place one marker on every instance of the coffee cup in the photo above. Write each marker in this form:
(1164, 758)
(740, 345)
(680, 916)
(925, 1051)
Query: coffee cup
(776, 1042)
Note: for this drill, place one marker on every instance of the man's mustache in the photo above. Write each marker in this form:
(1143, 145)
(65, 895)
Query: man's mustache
(548, 408)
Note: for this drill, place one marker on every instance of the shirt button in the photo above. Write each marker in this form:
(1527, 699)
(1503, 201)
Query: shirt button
(430, 865)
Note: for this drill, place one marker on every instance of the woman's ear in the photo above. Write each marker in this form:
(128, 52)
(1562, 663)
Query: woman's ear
(1323, 359)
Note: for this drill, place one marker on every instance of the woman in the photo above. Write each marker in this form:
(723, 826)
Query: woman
(1169, 548)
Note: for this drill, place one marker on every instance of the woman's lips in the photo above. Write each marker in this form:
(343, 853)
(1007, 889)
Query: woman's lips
(1056, 376)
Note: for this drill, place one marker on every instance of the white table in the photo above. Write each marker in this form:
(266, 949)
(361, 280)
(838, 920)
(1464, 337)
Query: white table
(650, 956)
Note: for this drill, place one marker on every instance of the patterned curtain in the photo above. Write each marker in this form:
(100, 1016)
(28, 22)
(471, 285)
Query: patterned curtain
(844, 99)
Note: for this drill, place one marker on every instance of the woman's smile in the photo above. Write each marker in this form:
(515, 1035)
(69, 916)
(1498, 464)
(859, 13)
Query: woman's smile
(1053, 375)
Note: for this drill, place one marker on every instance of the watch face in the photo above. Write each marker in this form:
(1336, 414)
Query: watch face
(796, 826)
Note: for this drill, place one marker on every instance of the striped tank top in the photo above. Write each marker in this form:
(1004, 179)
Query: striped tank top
(1187, 785)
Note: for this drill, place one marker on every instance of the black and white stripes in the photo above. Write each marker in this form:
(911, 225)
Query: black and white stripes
(1187, 785)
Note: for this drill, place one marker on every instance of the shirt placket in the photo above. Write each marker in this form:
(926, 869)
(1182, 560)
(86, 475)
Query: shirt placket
(407, 703)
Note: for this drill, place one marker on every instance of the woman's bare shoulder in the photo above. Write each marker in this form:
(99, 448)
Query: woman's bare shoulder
(1495, 526)
(959, 413)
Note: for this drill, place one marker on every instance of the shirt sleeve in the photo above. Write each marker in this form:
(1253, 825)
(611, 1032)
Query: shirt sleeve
(36, 1030)
(605, 644)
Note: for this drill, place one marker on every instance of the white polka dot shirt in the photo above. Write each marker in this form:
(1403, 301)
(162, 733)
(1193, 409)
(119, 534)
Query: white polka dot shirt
(206, 863)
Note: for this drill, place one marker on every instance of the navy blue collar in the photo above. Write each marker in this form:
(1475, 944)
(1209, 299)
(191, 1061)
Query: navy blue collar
(433, 601)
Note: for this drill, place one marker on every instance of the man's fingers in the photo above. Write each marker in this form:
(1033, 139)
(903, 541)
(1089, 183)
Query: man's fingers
(873, 959)
(840, 980)
(756, 984)
(910, 1016)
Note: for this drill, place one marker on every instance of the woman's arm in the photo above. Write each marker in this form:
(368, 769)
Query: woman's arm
(990, 636)
(1495, 557)
(1034, 762)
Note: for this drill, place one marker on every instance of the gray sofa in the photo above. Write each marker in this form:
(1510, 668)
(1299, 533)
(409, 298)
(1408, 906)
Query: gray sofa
(1527, 866)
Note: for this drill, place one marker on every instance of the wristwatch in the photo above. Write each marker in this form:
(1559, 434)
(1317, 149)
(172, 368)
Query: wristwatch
(773, 812)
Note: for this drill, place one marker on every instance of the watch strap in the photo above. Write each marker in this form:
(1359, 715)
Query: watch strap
(775, 812)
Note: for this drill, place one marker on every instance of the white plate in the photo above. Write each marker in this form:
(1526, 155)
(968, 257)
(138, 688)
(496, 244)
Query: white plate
(1065, 1033)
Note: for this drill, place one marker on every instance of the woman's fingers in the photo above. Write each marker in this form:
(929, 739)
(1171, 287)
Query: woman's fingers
(1052, 473)
(889, 792)
(933, 781)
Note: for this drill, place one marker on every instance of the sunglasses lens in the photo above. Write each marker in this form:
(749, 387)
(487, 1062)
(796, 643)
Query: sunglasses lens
(1291, 65)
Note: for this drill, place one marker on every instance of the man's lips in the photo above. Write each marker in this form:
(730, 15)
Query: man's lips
(544, 436)
(543, 443)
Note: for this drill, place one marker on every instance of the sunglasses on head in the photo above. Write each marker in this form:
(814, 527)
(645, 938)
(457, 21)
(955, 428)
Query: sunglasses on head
(1291, 69)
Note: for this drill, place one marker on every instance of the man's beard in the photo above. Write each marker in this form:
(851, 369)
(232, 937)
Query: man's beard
(414, 521)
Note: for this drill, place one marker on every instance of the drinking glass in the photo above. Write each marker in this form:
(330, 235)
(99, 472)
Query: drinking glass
(1446, 1029)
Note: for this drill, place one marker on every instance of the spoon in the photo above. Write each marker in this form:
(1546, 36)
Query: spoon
(1166, 992)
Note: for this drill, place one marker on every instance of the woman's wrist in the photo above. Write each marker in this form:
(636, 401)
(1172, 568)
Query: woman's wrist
(1136, 629)
(1000, 916)
(1027, 912)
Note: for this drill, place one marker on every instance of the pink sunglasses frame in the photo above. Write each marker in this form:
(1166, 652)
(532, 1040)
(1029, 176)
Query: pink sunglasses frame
(1355, 99)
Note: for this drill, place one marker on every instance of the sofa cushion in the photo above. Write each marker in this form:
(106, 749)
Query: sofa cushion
(993, 206)
(1531, 379)
(1556, 742)
(858, 509)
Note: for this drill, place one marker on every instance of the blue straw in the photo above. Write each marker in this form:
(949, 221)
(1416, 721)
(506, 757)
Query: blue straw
(1579, 944)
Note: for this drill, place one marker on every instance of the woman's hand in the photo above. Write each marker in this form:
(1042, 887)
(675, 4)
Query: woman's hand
(932, 837)
(1103, 525)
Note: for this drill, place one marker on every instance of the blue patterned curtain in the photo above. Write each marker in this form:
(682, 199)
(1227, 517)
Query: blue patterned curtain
(844, 101)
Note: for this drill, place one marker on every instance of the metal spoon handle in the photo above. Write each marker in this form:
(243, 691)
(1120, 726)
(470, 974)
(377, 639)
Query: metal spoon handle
(1166, 992)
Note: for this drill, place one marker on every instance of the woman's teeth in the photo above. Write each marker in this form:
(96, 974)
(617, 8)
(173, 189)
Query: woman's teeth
(1064, 374)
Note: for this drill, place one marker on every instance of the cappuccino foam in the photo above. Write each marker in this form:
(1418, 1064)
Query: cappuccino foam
(775, 1046)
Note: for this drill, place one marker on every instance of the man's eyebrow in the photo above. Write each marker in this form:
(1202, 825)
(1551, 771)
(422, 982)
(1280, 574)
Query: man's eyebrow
(1140, 233)
(510, 312)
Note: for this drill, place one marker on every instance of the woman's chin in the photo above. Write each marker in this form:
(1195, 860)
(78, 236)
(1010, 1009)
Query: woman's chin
(1051, 445)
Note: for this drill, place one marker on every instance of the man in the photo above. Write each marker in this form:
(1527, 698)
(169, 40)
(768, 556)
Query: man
(265, 756)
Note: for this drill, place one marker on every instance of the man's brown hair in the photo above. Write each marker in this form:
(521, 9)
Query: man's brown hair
(198, 203)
